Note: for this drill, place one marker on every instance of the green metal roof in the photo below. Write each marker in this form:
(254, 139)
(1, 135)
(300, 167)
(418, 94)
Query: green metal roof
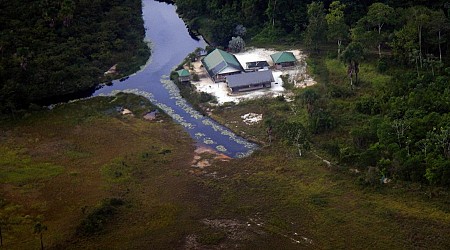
(218, 60)
(183, 72)
(282, 57)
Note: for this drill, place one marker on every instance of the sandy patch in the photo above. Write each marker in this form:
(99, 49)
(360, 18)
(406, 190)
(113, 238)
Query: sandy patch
(251, 118)
(297, 75)
(150, 116)
(111, 71)
(126, 112)
(204, 156)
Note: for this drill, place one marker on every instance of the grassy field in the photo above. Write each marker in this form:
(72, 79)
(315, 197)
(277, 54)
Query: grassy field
(98, 179)
(304, 200)
(58, 166)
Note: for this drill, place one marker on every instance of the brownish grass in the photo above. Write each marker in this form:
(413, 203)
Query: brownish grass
(86, 152)
(84, 141)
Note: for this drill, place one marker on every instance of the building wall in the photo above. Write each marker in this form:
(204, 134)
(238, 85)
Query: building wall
(250, 87)
(284, 65)
(184, 78)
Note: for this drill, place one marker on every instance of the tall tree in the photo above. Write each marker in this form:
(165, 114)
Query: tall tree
(253, 11)
(419, 17)
(309, 98)
(404, 42)
(39, 228)
(236, 44)
(438, 25)
(380, 14)
(363, 33)
(337, 29)
(317, 27)
(271, 11)
(276, 13)
(352, 55)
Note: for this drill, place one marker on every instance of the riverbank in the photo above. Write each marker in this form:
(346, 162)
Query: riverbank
(171, 42)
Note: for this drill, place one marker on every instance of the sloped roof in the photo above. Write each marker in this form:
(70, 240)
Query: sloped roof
(219, 60)
(250, 78)
(183, 72)
(282, 57)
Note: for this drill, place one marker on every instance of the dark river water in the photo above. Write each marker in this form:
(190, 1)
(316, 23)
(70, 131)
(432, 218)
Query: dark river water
(171, 43)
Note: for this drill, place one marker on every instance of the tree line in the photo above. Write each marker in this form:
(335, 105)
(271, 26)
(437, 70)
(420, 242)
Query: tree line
(55, 48)
(274, 19)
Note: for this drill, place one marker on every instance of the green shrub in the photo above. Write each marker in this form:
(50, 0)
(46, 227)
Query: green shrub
(268, 35)
(97, 219)
(174, 76)
(368, 106)
(337, 91)
(371, 177)
(318, 200)
(363, 136)
(332, 147)
(332, 54)
(321, 121)
(286, 83)
(205, 97)
(195, 77)
(382, 65)
(280, 98)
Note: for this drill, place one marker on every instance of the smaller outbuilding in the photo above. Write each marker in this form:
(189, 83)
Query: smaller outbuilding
(283, 59)
(202, 52)
(183, 75)
(250, 81)
(254, 66)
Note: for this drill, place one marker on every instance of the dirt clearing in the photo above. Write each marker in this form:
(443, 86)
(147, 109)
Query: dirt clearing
(297, 75)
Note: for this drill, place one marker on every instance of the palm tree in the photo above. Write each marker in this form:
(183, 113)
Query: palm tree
(39, 228)
(352, 55)
(309, 97)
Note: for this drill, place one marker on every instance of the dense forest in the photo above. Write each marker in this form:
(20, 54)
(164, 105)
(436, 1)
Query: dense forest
(55, 48)
(278, 19)
(385, 100)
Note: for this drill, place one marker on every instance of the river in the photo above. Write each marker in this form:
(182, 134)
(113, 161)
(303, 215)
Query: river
(171, 43)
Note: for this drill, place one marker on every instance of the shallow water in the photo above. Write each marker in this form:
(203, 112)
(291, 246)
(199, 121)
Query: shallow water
(171, 43)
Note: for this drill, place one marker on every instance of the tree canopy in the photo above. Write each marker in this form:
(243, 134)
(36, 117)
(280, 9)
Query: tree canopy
(54, 48)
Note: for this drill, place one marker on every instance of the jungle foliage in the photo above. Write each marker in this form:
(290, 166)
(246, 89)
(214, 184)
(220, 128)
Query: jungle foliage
(54, 48)
(384, 102)
(271, 20)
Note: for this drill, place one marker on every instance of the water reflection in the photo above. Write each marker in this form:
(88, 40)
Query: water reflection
(171, 42)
